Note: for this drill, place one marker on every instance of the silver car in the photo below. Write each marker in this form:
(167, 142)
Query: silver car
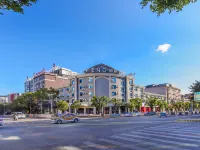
(65, 119)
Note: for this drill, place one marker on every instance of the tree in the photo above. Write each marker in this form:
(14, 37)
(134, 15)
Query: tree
(20, 104)
(160, 6)
(53, 94)
(15, 5)
(138, 103)
(62, 105)
(131, 104)
(99, 102)
(76, 105)
(116, 103)
(179, 105)
(152, 102)
(187, 106)
(195, 87)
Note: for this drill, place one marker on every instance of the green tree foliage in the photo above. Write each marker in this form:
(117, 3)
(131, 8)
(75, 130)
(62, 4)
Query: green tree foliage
(15, 5)
(195, 87)
(116, 103)
(76, 105)
(152, 102)
(62, 105)
(179, 105)
(187, 106)
(131, 104)
(99, 102)
(160, 6)
(162, 104)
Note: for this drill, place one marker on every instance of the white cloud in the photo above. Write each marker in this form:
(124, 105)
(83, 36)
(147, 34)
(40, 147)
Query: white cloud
(163, 48)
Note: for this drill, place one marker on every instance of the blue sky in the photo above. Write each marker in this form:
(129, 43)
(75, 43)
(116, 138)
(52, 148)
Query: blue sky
(79, 34)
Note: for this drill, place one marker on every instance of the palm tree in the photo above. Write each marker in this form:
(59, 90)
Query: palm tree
(116, 103)
(99, 102)
(76, 105)
(152, 102)
(187, 106)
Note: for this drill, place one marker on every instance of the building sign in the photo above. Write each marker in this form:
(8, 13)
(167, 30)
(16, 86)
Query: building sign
(197, 96)
(101, 69)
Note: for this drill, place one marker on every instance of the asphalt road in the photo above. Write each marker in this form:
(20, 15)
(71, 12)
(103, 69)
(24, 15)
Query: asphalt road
(134, 133)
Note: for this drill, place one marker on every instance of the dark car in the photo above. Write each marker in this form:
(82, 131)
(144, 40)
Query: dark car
(150, 114)
(180, 114)
(163, 114)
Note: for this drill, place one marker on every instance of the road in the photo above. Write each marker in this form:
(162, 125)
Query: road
(134, 133)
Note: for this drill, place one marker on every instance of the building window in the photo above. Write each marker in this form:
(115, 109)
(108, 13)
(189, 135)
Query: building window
(131, 88)
(90, 79)
(122, 94)
(131, 82)
(141, 90)
(113, 87)
(122, 89)
(135, 89)
(136, 95)
(122, 83)
(90, 86)
(90, 93)
(80, 80)
(114, 93)
(72, 82)
(123, 100)
(67, 89)
(72, 88)
(72, 94)
(114, 80)
(131, 94)
(81, 87)
(81, 93)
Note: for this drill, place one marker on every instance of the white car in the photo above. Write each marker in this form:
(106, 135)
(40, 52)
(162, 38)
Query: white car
(20, 115)
(1, 121)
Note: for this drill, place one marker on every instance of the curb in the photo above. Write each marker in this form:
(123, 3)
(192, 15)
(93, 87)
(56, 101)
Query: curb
(188, 120)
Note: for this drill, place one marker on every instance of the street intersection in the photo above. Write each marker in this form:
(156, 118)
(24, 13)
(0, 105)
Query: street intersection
(136, 133)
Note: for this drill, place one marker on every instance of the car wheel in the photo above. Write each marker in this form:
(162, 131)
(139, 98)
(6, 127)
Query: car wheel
(59, 122)
(75, 120)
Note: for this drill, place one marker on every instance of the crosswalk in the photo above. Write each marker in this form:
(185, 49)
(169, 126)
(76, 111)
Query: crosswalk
(175, 136)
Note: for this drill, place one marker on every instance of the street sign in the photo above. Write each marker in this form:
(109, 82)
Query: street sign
(197, 96)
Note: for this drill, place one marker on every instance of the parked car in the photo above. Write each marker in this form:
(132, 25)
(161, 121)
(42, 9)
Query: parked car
(186, 113)
(137, 113)
(163, 114)
(173, 113)
(150, 114)
(65, 118)
(20, 115)
(1, 121)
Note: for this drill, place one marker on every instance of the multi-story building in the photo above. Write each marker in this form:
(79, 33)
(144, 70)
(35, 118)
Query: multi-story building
(56, 77)
(100, 80)
(13, 96)
(3, 99)
(172, 93)
(186, 97)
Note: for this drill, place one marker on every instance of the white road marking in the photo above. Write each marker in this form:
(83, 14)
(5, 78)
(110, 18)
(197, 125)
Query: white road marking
(140, 141)
(97, 146)
(123, 145)
(161, 140)
(167, 136)
(174, 133)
